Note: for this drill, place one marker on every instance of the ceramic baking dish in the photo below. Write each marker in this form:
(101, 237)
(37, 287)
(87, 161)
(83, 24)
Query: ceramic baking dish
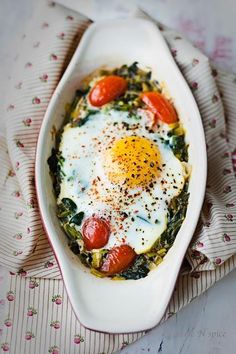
(103, 304)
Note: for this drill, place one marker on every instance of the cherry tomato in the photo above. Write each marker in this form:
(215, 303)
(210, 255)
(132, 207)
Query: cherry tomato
(95, 232)
(118, 259)
(160, 106)
(107, 89)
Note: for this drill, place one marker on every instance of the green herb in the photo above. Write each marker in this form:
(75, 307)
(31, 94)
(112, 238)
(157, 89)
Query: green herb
(71, 232)
(96, 259)
(86, 258)
(81, 121)
(138, 81)
(62, 212)
(81, 92)
(179, 147)
(177, 143)
(176, 215)
(55, 163)
(69, 204)
(78, 95)
(143, 219)
(75, 248)
(66, 208)
(52, 161)
(77, 218)
(138, 270)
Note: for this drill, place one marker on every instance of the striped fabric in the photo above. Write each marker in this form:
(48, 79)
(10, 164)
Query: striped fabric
(39, 318)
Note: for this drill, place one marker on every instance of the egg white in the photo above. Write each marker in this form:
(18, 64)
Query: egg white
(137, 220)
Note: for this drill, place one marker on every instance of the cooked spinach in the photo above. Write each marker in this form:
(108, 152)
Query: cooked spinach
(77, 218)
(86, 258)
(71, 107)
(179, 147)
(176, 140)
(81, 121)
(71, 232)
(176, 215)
(55, 163)
(138, 270)
(138, 81)
(129, 72)
(52, 161)
(75, 248)
(69, 204)
(66, 210)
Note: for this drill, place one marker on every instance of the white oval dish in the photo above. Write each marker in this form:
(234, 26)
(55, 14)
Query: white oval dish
(103, 304)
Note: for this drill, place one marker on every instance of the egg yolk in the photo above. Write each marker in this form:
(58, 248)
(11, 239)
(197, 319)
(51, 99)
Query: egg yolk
(132, 161)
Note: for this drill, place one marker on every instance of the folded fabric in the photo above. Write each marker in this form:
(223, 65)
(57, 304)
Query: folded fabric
(44, 53)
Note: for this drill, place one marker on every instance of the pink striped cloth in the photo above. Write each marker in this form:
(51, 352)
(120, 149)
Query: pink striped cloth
(39, 318)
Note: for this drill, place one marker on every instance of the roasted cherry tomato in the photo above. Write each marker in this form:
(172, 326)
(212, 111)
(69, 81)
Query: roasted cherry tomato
(118, 259)
(160, 106)
(95, 232)
(107, 89)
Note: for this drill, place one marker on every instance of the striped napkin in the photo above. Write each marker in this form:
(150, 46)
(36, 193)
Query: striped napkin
(38, 315)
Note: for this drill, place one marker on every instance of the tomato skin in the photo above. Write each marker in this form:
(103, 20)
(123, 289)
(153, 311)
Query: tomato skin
(95, 233)
(118, 259)
(107, 89)
(160, 106)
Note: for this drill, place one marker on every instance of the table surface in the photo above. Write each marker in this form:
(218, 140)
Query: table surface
(207, 325)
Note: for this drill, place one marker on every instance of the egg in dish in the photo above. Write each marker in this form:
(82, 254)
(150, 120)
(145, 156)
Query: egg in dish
(121, 173)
